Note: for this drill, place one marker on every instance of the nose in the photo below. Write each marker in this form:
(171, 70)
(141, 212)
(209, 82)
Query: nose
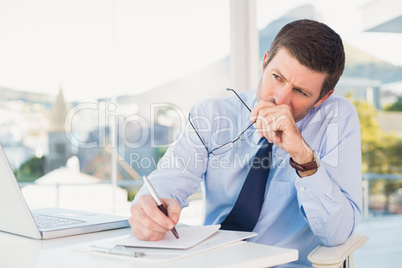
(282, 95)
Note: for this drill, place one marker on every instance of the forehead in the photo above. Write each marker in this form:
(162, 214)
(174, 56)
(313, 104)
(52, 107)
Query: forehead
(295, 73)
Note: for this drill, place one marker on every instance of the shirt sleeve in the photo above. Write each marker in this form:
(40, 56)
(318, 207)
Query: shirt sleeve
(180, 171)
(331, 199)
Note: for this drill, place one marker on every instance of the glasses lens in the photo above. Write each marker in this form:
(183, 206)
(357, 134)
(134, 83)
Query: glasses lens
(223, 149)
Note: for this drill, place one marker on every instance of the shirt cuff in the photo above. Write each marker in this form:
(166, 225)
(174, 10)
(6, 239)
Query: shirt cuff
(312, 186)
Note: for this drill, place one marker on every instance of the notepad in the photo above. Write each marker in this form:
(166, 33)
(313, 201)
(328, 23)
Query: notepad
(109, 246)
(189, 237)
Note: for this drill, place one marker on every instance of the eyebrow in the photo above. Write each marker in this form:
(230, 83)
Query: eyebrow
(295, 87)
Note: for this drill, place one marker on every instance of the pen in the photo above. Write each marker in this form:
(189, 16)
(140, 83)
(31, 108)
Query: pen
(158, 202)
(117, 250)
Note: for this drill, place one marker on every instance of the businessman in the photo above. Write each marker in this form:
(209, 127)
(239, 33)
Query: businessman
(283, 160)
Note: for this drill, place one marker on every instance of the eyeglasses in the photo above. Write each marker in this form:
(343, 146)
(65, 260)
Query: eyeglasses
(230, 144)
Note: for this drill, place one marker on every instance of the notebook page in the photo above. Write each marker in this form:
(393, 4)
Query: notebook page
(189, 237)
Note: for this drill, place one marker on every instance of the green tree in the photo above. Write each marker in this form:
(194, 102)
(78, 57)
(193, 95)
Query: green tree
(381, 151)
(31, 170)
(396, 106)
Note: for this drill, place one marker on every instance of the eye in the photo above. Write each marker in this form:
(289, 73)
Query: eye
(300, 91)
(277, 77)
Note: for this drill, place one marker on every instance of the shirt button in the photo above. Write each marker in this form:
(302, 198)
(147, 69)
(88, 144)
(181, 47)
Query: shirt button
(301, 188)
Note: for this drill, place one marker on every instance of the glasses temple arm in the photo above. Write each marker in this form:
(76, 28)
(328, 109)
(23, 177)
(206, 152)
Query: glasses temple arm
(196, 132)
(239, 98)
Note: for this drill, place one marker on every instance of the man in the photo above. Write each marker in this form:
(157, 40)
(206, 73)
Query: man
(313, 191)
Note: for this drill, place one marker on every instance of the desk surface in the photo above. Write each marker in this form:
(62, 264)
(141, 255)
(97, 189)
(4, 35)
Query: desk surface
(17, 251)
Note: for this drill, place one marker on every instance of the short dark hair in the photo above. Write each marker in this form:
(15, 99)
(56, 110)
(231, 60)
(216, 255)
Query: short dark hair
(314, 45)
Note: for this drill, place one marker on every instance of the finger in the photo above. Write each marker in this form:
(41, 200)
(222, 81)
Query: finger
(173, 209)
(259, 127)
(143, 233)
(143, 227)
(270, 134)
(275, 116)
(261, 104)
(253, 118)
(267, 117)
(278, 128)
(268, 110)
(153, 212)
(137, 229)
(278, 137)
(263, 123)
(140, 217)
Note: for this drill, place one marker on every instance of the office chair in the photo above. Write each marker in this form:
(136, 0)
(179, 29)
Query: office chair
(339, 256)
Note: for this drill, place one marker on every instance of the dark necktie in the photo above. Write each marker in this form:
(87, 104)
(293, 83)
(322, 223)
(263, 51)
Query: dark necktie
(246, 211)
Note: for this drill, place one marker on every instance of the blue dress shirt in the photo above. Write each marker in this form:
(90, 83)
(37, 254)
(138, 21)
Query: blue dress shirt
(298, 213)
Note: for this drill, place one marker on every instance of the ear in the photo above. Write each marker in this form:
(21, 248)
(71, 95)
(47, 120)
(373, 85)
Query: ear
(324, 98)
(265, 59)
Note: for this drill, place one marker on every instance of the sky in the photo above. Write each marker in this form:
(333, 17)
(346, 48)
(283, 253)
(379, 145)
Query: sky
(345, 17)
(105, 48)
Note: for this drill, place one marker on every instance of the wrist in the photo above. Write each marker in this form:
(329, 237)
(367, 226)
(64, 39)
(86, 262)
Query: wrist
(306, 163)
(303, 156)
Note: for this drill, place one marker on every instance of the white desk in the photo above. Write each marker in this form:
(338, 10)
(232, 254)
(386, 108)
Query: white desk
(21, 252)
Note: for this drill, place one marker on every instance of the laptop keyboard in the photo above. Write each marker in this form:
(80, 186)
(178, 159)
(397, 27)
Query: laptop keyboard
(43, 221)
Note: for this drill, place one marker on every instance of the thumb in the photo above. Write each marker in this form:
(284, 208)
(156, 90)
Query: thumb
(173, 208)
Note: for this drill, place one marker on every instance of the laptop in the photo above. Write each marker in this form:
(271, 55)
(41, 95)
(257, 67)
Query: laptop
(48, 223)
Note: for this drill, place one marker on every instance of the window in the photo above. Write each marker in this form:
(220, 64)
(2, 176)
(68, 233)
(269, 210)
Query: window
(104, 82)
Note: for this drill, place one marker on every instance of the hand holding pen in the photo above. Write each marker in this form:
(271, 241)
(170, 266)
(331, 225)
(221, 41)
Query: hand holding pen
(158, 202)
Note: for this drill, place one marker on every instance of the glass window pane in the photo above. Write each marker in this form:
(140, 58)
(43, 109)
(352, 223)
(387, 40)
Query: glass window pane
(76, 74)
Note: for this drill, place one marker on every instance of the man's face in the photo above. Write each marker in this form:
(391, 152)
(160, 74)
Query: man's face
(286, 81)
